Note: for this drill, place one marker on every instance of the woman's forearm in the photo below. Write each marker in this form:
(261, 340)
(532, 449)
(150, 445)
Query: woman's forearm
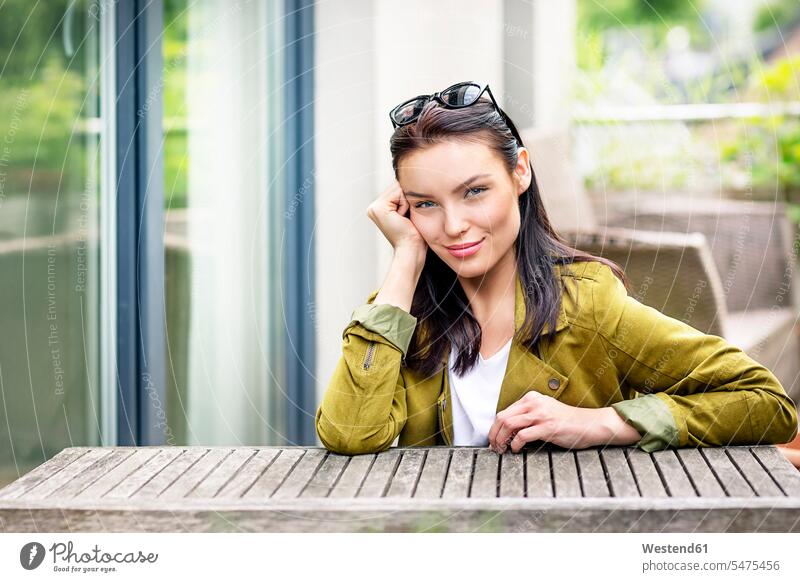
(364, 408)
(401, 281)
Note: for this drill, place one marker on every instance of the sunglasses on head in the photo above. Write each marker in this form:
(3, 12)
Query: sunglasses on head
(456, 96)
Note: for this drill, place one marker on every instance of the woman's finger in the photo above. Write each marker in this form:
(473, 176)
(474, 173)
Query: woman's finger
(403, 206)
(518, 407)
(394, 190)
(510, 427)
(527, 435)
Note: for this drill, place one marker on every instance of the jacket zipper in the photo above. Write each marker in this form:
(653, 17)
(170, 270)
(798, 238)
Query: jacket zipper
(441, 420)
(370, 354)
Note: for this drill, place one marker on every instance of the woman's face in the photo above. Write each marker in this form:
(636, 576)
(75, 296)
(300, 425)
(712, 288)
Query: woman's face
(462, 192)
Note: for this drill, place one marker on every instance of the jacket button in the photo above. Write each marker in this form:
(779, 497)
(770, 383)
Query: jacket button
(554, 383)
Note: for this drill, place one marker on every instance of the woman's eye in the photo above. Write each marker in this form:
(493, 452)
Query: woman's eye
(469, 192)
(477, 190)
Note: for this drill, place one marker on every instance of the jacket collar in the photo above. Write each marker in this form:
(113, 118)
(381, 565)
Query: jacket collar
(519, 310)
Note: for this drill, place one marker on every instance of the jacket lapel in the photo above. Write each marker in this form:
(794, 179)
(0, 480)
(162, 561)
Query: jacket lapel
(524, 371)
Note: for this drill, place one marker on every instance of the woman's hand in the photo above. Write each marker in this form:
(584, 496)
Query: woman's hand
(537, 416)
(389, 212)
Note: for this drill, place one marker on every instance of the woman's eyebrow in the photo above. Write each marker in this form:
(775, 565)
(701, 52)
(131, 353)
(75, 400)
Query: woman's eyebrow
(466, 182)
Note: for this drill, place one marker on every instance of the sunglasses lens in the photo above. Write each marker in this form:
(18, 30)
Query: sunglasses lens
(462, 95)
(408, 111)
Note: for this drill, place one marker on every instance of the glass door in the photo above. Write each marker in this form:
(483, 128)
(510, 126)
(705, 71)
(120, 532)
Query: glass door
(52, 144)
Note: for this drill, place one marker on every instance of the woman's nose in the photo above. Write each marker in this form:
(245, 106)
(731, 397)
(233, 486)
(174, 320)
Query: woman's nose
(455, 223)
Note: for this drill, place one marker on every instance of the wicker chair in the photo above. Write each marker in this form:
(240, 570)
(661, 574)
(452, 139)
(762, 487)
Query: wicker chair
(691, 260)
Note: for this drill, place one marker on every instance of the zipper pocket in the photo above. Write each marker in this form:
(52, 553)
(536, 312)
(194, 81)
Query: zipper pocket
(369, 356)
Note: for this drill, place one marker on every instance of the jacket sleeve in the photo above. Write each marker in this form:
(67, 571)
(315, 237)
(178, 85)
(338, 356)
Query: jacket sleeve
(688, 388)
(364, 407)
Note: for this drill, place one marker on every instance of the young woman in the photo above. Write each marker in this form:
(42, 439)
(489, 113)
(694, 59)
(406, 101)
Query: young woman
(490, 331)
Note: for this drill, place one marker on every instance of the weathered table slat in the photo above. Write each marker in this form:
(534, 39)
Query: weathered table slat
(100, 468)
(512, 475)
(41, 473)
(268, 482)
(537, 470)
(168, 474)
(456, 486)
(759, 480)
(621, 482)
(83, 465)
(302, 473)
(646, 475)
(144, 473)
(222, 473)
(184, 485)
(353, 475)
(431, 482)
(784, 474)
(133, 462)
(325, 478)
(380, 475)
(675, 478)
(565, 474)
(405, 478)
(729, 476)
(484, 482)
(405, 489)
(248, 474)
(590, 470)
(700, 473)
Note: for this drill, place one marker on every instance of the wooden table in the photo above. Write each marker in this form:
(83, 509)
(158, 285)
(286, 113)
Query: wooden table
(277, 489)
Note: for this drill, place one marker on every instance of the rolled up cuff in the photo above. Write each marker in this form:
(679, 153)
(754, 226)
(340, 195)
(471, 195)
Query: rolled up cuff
(653, 419)
(392, 322)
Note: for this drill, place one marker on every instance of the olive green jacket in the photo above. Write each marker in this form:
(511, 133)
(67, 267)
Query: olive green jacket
(676, 385)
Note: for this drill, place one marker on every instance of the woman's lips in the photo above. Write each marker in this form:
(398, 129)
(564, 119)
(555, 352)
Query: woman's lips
(466, 252)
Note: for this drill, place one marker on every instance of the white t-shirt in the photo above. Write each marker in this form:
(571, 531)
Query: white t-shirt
(475, 397)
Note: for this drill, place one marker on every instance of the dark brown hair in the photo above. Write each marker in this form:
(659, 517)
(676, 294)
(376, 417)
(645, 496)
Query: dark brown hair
(440, 304)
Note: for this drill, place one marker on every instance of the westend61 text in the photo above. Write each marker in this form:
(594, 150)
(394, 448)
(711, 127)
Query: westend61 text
(670, 549)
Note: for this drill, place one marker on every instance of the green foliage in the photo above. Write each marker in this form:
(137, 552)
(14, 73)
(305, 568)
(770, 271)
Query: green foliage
(754, 153)
(776, 14)
(778, 82)
(176, 165)
(47, 96)
(591, 51)
(645, 158)
(593, 14)
(646, 20)
(174, 51)
(30, 32)
(46, 125)
(766, 151)
(793, 212)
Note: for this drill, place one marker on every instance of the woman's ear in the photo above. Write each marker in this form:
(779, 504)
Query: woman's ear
(522, 171)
